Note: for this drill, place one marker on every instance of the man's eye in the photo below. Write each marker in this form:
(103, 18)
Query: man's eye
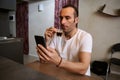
(67, 17)
(61, 18)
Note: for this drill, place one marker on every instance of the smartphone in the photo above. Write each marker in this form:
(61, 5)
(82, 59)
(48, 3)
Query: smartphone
(40, 40)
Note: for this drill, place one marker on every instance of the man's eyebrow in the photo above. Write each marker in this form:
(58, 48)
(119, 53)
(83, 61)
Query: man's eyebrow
(63, 16)
(67, 16)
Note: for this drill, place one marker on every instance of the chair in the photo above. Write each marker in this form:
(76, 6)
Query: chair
(114, 60)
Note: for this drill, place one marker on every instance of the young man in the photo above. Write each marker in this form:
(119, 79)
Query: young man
(71, 51)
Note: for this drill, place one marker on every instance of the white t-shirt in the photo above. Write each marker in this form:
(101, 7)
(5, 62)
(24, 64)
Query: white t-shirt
(69, 49)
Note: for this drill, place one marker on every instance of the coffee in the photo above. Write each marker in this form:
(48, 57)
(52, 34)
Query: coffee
(59, 33)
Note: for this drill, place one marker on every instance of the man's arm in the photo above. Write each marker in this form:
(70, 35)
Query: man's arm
(78, 67)
(50, 55)
(49, 33)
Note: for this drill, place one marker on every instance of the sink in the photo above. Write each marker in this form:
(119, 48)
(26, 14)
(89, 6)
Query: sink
(5, 38)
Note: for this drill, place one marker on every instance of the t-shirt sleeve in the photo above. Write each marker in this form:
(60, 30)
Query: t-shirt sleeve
(86, 43)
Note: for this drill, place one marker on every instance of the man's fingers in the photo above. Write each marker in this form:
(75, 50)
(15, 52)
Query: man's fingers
(52, 29)
(41, 57)
(51, 49)
(42, 52)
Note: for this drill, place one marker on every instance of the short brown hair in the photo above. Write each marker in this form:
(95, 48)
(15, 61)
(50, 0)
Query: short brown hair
(75, 9)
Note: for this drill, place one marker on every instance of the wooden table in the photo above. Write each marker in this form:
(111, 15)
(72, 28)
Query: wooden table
(59, 73)
(10, 70)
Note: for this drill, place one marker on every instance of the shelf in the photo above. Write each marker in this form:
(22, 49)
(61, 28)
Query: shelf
(112, 13)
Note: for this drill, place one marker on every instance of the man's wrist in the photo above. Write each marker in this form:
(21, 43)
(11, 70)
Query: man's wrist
(58, 65)
(48, 42)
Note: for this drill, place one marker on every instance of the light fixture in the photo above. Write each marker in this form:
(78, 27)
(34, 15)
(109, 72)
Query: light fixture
(40, 7)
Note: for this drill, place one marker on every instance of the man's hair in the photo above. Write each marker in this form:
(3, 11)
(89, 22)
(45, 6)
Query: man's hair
(75, 9)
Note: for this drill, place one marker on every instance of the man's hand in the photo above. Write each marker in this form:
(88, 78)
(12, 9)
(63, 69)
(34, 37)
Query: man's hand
(49, 33)
(48, 55)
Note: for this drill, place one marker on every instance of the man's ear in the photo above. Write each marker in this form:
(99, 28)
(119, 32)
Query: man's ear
(76, 20)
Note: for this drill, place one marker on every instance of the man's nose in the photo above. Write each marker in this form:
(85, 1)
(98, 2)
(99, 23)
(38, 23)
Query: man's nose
(63, 21)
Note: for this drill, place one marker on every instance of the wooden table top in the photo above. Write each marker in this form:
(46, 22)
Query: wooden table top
(11, 70)
(59, 73)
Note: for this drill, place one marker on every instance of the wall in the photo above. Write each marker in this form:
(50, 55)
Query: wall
(39, 21)
(8, 4)
(7, 27)
(105, 30)
(12, 23)
(4, 24)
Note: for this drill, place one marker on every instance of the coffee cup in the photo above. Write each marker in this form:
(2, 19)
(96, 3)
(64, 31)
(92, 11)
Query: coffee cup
(59, 32)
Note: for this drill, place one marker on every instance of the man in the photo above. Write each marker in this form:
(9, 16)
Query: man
(71, 51)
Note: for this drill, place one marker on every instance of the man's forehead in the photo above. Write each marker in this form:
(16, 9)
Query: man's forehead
(67, 11)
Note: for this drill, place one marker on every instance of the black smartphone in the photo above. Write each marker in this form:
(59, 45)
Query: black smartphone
(40, 40)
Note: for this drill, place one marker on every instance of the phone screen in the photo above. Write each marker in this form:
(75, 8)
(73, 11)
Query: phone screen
(40, 40)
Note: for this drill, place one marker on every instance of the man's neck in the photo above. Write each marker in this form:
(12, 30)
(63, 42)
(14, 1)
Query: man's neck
(71, 33)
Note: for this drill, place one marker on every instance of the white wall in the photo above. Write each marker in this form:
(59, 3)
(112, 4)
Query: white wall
(105, 30)
(39, 21)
